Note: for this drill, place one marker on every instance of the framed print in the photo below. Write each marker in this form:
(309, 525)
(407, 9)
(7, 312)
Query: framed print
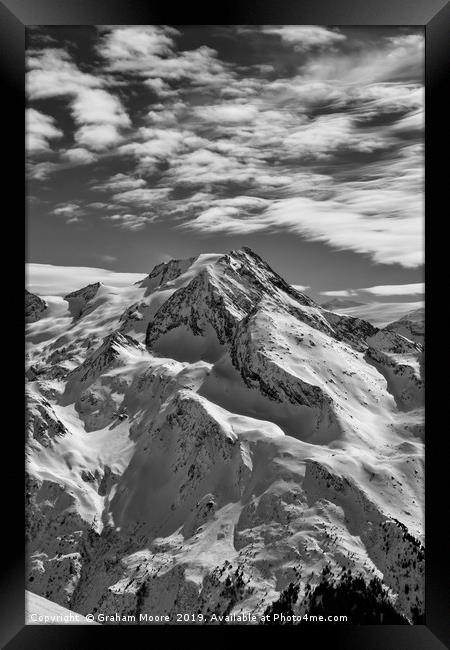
(227, 229)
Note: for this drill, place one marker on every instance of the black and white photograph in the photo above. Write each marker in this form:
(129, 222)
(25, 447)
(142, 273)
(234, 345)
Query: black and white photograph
(225, 334)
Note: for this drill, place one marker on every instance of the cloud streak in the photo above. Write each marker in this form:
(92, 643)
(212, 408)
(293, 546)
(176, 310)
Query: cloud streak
(413, 289)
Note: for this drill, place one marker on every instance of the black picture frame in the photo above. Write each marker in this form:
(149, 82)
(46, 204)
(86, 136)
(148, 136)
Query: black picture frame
(434, 16)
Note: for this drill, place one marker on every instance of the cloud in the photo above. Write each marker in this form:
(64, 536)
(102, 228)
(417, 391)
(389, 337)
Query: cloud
(79, 155)
(70, 211)
(127, 221)
(396, 289)
(153, 146)
(161, 88)
(230, 113)
(397, 59)
(150, 52)
(40, 171)
(416, 288)
(340, 293)
(381, 314)
(52, 280)
(327, 134)
(40, 130)
(305, 37)
(135, 48)
(99, 114)
(120, 182)
(318, 133)
(108, 259)
(52, 73)
(141, 197)
(98, 136)
(96, 106)
(386, 239)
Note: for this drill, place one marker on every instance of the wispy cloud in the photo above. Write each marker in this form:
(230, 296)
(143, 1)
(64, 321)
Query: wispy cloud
(127, 221)
(108, 259)
(70, 211)
(417, 288)
(323, 140)
(41, 129)
(413, 289)
(304, 38)
(386, 239)
(340, 293)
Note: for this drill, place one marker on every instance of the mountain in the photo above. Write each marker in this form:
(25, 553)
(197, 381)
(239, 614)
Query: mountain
(411, 325)
(40, 611)
(34, 307)
(210, 440)
(340, 303)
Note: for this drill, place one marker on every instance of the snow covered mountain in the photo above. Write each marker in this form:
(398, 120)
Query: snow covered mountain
(211, 441)
(411, 325)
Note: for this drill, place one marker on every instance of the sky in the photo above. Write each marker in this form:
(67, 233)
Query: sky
(146, 143)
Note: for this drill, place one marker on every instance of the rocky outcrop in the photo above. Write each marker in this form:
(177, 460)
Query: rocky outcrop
(34, 307)
(403, 378)
(397, 554)
(79, 300)
(353, 331)
(411, 326)
(101, 359)
(196, 306)
(258, 354)
(221, 296)
(41, 421)
(190, 451)
(164, 273)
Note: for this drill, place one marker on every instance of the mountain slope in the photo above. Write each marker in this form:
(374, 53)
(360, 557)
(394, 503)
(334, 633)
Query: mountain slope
(39, 611)
(411, 325)
(202, 439)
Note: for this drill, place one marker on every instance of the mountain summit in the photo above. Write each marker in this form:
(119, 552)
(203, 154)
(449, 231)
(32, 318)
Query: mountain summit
(212, 440)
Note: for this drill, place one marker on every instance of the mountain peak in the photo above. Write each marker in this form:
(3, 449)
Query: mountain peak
(222, 292)
(85, 293)
(255, 434)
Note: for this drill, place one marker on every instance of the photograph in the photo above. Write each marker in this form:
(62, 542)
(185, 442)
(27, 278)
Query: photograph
(225, 325)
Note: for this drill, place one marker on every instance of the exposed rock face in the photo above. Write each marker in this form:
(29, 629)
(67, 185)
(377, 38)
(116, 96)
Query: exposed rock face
(41, 421)
(34, 307)
(261, 350)
(80, 299)
(396, 553)
(412, 326)
(221, 295)
(101, 359)
(211, 440)
(164, 273)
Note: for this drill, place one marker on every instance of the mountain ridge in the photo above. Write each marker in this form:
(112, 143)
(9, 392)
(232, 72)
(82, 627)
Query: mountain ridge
(180, 420)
